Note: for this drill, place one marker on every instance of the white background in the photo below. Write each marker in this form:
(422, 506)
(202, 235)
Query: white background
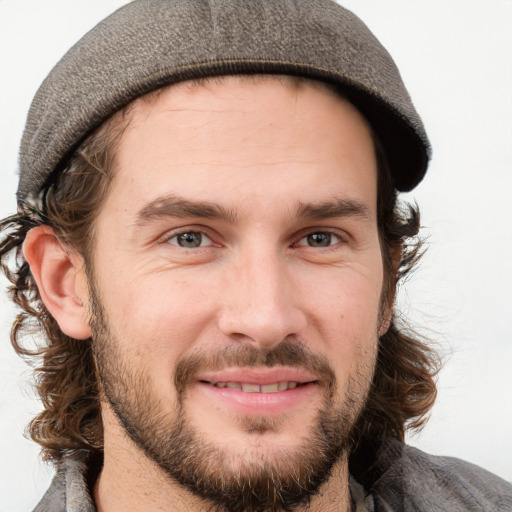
(455, 57)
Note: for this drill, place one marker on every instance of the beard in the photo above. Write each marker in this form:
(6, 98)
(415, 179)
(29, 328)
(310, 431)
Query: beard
(257, 479)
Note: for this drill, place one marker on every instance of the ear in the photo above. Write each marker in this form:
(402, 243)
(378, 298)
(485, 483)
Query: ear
(387, 308)
(61, 280)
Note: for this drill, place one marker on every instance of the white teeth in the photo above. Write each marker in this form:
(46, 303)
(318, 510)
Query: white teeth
(251, 388)
(256, 388)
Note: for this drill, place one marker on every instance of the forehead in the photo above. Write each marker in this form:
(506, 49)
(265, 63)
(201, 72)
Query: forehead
(280, 134)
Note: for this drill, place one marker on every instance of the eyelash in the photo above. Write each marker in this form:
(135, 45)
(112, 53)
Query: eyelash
(330, 233)
(182, 232)
(197, 231)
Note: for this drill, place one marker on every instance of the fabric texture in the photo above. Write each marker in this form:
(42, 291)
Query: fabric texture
(69, 491)
(361, 500)
(148, 44)
(401, 479)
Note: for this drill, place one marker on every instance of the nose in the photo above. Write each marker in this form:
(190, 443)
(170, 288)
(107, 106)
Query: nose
(260, 306)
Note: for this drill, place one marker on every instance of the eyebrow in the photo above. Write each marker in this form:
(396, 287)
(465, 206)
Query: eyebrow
(333, 209)
(174, 206)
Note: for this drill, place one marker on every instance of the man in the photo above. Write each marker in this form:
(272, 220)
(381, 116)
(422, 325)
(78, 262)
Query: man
(216, 261)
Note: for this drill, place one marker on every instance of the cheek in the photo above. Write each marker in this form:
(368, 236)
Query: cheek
(344, 313)
(160, 313)
(350, 335)
(348, 299)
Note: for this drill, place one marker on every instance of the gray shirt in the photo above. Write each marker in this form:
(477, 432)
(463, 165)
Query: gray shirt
(399, 479)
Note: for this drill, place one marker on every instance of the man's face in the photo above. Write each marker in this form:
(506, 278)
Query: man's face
(237, 282)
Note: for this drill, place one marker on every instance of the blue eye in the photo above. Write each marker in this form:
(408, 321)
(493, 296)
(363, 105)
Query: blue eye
(320, 239)
(190, 239)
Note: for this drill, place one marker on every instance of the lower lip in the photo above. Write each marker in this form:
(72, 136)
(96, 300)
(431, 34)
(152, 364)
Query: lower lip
(259, 404)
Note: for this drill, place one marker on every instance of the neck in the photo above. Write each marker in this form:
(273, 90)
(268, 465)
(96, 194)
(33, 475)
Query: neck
(138, 487)
(129, 481)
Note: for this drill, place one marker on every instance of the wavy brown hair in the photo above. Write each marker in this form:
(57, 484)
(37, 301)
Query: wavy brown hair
(403, 389)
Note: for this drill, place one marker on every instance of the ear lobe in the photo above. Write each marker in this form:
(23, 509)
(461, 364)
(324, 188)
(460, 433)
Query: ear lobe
(61, 281)
(385, 321)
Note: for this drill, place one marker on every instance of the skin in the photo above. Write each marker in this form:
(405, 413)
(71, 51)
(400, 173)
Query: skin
(258, 150)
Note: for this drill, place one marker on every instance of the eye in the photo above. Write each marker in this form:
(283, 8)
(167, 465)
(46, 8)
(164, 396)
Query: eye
(320, 239)
(190, 239)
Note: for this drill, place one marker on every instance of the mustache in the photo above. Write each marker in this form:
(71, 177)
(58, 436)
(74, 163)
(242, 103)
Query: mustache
(287, 353)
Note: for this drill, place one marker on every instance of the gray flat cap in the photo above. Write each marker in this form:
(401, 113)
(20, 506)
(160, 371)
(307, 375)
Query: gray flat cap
(151, 43)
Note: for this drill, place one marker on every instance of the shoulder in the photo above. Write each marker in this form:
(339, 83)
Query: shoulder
(409, 479)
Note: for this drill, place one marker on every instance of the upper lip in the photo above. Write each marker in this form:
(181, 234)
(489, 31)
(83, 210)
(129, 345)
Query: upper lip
(260, 376)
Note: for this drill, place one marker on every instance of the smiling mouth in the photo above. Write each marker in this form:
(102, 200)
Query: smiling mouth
(257, 388)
